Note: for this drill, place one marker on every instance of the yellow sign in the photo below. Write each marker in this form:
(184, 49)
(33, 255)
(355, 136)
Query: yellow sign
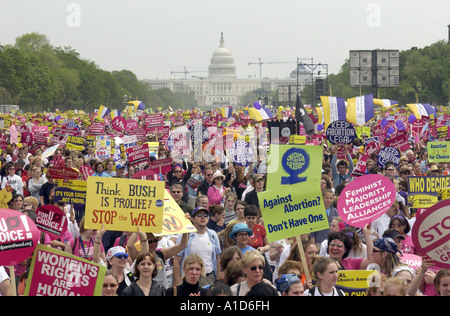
(174, 221)
(124, 204)
(297, 139)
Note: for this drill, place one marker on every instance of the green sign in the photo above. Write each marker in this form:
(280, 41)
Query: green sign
(439, 151)
(292, 205)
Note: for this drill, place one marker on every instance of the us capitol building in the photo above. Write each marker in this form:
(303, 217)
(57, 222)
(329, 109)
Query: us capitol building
(222, 88)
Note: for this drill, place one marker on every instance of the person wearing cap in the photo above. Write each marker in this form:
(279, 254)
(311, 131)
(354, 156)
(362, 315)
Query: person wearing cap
(251, 198)
(290, 285)
(120, 171)
(117, 259)
(217, 192)
(205, 243)
(395, 235)
(401, 224)
(240, 234)
(385, 255)
(404, 172)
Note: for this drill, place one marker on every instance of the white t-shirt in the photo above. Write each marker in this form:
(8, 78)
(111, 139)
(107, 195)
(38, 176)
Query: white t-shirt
(3, 276)
(204, 248)
(15, 182)
(316, 292)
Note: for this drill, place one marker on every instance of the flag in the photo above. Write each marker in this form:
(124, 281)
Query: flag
(114, 114)
(267, 111)
(386, 103)
(227, 112)
(320, 116)
(102, 111)
(138, 105)
(360, 110)
(422, 109)
(303, 117)
(333, 109)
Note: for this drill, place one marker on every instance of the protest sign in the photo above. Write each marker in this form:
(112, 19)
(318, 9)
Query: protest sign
(51, 220)
(63, 173)
(71, 192)
(124, 204)
(75, 142)
(49, 151)
(138, 154)
(174, 220)
(439, 151)
(424, 192)
(18, 237)
(413, 261)
(361, 166)
(400, 141)
(119, 123)
(293, 205)
(388, 154)
(340, 132)
(431, 234)
(356, 282)
(57, 273)
(241, 153)
(365, 199)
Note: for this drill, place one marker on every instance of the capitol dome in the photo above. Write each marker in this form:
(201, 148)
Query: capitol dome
(222, 63)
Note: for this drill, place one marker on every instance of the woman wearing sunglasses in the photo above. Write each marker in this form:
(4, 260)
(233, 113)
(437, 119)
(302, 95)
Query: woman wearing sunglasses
(252, 265)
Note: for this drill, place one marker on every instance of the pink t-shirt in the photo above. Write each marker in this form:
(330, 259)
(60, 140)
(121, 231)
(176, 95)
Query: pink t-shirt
(85, 249)
(408, 245)
(352, 263)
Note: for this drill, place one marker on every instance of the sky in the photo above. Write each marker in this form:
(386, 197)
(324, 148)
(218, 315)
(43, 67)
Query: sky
(153, 38)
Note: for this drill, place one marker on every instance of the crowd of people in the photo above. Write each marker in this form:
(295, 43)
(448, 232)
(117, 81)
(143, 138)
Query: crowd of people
(229, 254)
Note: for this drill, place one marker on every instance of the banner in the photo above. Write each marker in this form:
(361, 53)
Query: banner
(365, 199)
(431, 234)
(56, 273)
(424, 192)
(293, 204)
(124, 204)
(439, 151)
(19, 237)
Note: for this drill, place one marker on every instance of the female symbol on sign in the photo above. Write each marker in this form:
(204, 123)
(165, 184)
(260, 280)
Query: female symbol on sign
(295, 161)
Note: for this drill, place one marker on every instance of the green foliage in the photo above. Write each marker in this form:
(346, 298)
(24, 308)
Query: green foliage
(40, 77)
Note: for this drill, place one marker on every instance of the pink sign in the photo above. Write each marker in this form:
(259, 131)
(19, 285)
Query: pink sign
(413, 261)
(365, 199)
(52, 220)
(431, 234)
(18, 237)
(86, 171)
(56, 273)
(119, 123)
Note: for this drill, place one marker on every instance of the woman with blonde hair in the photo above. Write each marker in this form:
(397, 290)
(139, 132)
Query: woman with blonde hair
(194, 269)
(325, 271)
(253, 265)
